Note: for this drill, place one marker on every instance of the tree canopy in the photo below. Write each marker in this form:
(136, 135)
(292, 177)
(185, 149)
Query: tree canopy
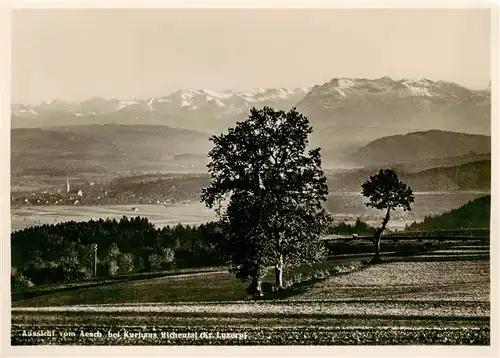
(268, 189)
(386, 192)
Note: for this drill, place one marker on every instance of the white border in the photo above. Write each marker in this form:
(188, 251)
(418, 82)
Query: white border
(261, 351)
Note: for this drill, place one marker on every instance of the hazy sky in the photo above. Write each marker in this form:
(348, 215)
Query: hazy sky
(77, 54)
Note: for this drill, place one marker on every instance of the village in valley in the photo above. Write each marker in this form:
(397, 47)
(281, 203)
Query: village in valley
(96, 193)
(67, 195)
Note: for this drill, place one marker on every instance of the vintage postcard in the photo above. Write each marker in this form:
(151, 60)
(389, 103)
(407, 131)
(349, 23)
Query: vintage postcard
(200, 176)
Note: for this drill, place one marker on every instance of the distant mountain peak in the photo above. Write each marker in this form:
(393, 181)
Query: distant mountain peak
(385, 82)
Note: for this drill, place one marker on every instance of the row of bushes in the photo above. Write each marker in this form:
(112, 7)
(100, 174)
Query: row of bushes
(359, 227)
(399, 248)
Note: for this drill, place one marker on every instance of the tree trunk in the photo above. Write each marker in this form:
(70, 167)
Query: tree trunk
(279, 273)
(378, 236)
(376, 241)
(256, 285)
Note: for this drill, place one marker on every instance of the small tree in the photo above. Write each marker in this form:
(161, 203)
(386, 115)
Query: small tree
(154, 261)
(167, 257)
(126, 262)
(112, 257)
(386, 192)
(113, 251)
(275, 187)
(113, 267)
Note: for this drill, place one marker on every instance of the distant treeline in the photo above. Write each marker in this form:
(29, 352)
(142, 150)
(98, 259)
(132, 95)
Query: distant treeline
(173, 188)
(473, 215)
(65, 251)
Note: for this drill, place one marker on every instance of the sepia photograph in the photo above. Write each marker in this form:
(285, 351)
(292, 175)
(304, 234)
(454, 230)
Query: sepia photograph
(251, 176)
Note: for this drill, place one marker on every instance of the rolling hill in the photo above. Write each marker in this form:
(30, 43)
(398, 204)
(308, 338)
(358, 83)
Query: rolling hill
(421, 165)
(474, 176)
(106, 149)
(420, 146)
(465, 177)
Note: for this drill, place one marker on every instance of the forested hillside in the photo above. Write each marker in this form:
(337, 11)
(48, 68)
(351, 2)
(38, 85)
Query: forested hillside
(473, 215)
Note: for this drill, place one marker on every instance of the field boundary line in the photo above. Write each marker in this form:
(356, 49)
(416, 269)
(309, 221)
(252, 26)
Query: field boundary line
(290, 302)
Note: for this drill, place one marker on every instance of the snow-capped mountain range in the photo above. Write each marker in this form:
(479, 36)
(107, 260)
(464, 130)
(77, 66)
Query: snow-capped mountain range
(176, 109)
(349, 88)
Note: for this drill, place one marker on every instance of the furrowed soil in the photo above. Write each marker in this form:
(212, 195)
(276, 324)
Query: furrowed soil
(443, 302)
(436, 280)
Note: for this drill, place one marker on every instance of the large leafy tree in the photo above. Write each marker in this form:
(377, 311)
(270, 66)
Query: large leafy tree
(386, 192)
(268, 189)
